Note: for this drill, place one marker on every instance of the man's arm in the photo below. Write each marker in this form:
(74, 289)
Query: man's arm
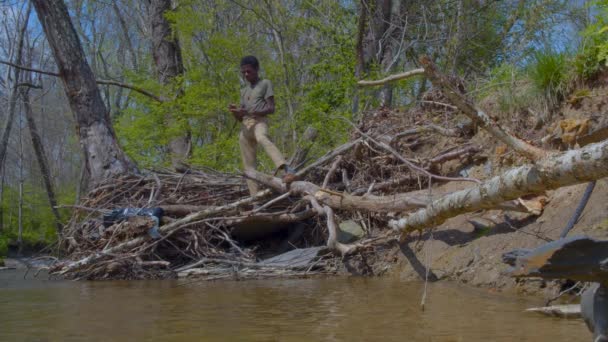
(268, 108)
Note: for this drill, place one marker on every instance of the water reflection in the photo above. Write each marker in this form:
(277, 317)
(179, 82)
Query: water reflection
(337, 309)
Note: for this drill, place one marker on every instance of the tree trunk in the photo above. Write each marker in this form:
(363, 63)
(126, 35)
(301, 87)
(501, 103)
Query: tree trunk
(125, 33)
(41, 157)
(14, 93)
(359, 53)
(389, 52)
(1, 201)
(104, 156)
(377, 40)
(21, 181)
(168, 61)
(458, 40)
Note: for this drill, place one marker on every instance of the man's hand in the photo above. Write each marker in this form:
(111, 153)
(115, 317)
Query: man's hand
(238, 113)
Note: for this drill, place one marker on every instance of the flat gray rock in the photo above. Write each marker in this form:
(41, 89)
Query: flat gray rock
(300, 257)
(578, 258)
(349, 231)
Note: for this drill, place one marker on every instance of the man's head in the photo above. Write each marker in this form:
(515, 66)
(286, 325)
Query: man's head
(249, 68)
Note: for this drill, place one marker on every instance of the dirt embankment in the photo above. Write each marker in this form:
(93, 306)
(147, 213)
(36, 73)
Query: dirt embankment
(469, 248)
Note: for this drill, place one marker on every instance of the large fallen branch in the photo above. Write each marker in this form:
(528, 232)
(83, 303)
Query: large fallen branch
(555, 171)
(344, 201)
(482, 119)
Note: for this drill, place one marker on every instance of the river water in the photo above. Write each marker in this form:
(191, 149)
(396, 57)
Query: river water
(332, 309)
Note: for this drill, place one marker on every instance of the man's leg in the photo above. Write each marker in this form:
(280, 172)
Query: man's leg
(248, 146)
(261, 136)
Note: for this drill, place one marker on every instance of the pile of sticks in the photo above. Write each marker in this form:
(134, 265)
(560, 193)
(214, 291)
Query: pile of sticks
(381, 178)
(364, 180)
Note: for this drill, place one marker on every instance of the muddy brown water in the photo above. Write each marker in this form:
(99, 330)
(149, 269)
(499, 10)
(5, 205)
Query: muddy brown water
(332, 309)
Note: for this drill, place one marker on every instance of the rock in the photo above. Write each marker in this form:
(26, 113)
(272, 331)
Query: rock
(578, 258)
(594, 310)
(300, 257)
(350, 231)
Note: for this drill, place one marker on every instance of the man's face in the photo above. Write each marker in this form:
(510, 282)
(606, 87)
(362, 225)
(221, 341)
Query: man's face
(249, 73)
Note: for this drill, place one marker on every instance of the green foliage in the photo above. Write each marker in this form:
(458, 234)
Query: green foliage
(315, 73)
(307, 49)
(550, 74)
(586, 64)
(329, 94)
(508, 88)
(38, 220)
(3, 247)
(599, 31)
(592, 54)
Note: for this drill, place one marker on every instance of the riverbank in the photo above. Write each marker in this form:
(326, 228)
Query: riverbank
(468, 249)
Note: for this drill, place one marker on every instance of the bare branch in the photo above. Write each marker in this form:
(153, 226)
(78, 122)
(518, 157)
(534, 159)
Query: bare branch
(392, 78)
(331, 172)
(108, 82)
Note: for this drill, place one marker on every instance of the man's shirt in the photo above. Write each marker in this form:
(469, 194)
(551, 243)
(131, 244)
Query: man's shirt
(253, 98)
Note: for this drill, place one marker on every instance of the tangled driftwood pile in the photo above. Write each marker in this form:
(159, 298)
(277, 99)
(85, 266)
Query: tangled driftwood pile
(208, 218)
(381, 178)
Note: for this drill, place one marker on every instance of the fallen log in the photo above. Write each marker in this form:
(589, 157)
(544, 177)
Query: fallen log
(427, 129)
(332, 239)
(344, 201)
(552, 172)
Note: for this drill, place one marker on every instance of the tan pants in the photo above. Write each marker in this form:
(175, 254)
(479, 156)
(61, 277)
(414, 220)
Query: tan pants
(254, 131)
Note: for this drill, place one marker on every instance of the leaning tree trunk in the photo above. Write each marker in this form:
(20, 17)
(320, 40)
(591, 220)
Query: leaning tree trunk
(168, 60)
(104, 156)
(11, 111)
(554, 171)
(14, 93)
(41, 157)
